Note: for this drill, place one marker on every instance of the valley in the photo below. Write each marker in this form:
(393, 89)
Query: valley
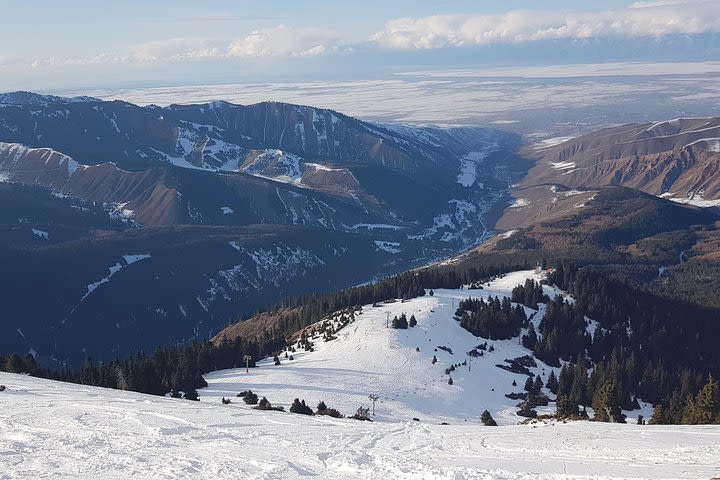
(233, 203)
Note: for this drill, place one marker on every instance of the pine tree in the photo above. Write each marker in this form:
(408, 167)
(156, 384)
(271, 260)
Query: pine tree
(321, 407)
(552, 382)
(530, 339)
(529, 384)
(434, 360)
(605, 404)
(704, 408)
(450, 381)
(487, 419)
(537, 385)
(413, 321)
(565, 407)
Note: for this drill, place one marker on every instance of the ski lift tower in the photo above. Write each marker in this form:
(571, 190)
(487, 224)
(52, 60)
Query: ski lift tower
(247, 359)
(374, 399)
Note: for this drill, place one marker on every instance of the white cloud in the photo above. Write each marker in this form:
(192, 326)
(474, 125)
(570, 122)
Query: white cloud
(281, 41)
(641, 19)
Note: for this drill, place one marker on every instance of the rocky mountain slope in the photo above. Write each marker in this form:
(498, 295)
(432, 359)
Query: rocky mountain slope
(678, 159)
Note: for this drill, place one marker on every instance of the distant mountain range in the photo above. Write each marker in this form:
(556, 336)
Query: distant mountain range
(126, 227)
(678, 159)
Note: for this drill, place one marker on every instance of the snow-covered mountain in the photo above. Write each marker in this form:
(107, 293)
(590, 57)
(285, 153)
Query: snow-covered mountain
(339, 201)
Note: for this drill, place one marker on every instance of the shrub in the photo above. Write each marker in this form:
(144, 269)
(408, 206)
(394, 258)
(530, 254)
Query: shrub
(331, 412)
(299, 406)
(250, 398)
(264, 404)
(362, 414)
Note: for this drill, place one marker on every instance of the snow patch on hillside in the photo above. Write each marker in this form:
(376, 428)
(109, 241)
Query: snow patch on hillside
(665, 128)
(469, 165)
(709, 144)
(276, 165)
(375, 226)
(692, 198)
(130, 259)
(258, 268)
(551, 142)
(520, 203)
(562, 165)
(41, 234)
(114, 269)
(389, 247)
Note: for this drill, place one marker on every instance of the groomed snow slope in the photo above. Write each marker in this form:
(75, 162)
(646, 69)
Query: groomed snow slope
(55, 430)
(367, 358)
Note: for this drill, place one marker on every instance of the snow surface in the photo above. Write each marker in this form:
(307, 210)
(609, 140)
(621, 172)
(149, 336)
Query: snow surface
(51, 429)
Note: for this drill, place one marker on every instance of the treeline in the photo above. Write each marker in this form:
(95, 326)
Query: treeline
(176, 370)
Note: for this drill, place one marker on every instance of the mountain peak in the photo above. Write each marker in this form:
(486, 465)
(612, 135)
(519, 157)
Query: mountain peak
(30, 98)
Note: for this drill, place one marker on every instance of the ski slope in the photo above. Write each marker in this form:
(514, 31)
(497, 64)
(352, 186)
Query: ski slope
(54, 430)
(367, 358)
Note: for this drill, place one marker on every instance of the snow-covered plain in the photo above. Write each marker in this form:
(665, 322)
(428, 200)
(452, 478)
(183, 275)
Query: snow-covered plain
(54, 430)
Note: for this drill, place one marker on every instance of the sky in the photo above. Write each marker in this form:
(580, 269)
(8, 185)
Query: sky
(48, 45)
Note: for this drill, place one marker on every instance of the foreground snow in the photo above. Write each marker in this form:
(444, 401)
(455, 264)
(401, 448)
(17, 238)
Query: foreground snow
(55, 430)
